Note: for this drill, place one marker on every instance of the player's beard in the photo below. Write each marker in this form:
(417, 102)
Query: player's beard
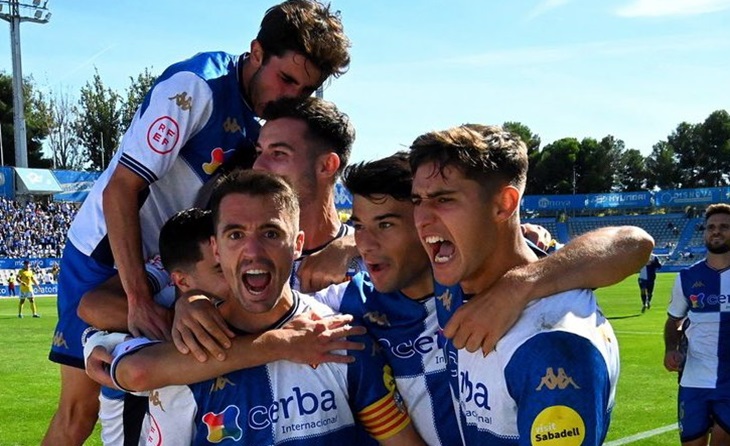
(721, 249)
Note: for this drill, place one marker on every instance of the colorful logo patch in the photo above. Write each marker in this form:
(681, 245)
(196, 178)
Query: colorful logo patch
(217, 157)
(696, 300)
(163, 134)
(223, 425)
(558, 425)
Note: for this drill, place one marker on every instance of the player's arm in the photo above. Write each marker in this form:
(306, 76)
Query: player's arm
(121, 211)
(158, 365)
(563, 388)
(105, 307)
(328, 266)
(596, 259)
(678, 309)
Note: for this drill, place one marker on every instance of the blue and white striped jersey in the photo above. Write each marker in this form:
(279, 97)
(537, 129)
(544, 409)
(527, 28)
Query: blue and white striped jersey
(282, 403)
(406, 331)
(551, 379)
(191, 121)
(703, 294)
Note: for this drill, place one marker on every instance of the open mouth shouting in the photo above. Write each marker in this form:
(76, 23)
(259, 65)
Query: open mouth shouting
(256, 281)
(440, 249)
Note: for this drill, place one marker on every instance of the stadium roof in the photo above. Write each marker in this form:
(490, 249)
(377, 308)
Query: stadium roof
(36, 182)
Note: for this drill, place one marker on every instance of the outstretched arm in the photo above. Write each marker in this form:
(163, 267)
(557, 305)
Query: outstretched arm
(596, 259)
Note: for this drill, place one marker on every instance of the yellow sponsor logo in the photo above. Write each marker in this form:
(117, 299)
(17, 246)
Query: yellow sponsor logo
(446, 299)
(558, 425)
(59, 341)
(155, 399)
(183, 101)
(220, 383)
(560, 381)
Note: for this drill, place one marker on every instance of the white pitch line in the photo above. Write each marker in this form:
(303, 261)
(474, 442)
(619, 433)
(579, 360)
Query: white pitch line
(653, 333)
(641, 435)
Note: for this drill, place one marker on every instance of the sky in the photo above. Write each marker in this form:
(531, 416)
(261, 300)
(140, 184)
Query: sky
(633, 69)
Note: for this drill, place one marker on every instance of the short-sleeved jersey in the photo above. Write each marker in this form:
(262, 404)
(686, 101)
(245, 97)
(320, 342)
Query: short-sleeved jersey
(26, 279)
(283, 402)
(551, 379)
(191, 121)
(703, 295)
(406, 331)
(648, 271)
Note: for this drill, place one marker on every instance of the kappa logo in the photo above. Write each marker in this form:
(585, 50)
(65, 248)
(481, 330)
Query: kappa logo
(155, 399)
(183, 101)
(698, 284)
(377, 317)
(220, 383)
(446, 299)
(560, 381)
(230, 125)
(59, 341)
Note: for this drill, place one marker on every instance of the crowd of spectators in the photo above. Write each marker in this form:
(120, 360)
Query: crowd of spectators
(34, 229)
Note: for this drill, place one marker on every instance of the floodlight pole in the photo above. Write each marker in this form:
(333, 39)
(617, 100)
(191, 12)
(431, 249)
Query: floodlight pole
(14, 16)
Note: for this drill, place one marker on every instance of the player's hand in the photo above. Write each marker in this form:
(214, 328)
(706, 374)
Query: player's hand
(310, 339)
(146, 318)
(322, 269)
(98, 364)
(673, 360)
(537, 234)
(199, 328)
(487, 316)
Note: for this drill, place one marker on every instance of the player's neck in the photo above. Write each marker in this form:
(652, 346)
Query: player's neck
(319, 220)
(718, 261)
(510, 250)
(259, 322)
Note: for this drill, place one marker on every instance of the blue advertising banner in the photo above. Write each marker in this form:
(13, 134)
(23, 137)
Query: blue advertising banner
(553, 202)
(75, 185)
(343, 197)
(18, 263)
(46, 289)
(683, 197)
(7, 182)
(618, 200)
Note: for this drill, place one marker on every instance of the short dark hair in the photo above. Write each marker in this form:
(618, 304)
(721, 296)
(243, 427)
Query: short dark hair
(718, 208)
(181, 237)
(389, 176)
(307, 27)
(256, 184)
(485, 154)
(325, 122)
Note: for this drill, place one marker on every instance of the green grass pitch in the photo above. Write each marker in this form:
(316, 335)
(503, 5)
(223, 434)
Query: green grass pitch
(646, 398)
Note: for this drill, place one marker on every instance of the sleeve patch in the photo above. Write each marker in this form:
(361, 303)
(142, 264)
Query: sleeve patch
(557, 425)
(163, 135)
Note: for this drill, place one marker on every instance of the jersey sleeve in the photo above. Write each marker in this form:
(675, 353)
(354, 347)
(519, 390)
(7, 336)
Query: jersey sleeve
(373, 394)
(332, 295)
(678, 305)
(177, 108)
(172, 412)
(561, 386)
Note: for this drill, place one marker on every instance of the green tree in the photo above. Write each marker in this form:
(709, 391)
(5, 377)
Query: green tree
(555, 170)
(631, 172)
(532, 141)
(62, 140)
(596, 164)
(662, 168)
(36, 121)
(135, 94)
(99, 123)
(714, 136)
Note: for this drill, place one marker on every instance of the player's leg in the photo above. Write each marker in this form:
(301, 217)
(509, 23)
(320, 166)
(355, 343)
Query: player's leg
(720, 434)
(78, 406)
(33, 306)
(21, 302)
(649, 293)
(695, 418)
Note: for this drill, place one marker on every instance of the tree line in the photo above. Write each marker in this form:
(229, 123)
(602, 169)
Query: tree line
(83, 134)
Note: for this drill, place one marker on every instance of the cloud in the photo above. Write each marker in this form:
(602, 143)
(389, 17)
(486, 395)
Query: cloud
(658, 8)
(544, 6)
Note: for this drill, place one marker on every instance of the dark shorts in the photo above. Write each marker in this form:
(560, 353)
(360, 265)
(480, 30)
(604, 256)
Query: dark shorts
(699, 408)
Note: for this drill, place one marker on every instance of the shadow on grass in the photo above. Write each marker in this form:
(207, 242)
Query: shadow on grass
(630, 316)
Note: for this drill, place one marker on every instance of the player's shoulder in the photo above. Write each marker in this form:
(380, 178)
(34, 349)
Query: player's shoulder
(207, 65)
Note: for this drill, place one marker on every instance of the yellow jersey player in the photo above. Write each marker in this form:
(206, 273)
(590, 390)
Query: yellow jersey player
(26, 279)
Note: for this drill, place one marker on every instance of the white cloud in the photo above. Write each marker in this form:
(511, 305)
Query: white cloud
(545, 6)
(657, 8)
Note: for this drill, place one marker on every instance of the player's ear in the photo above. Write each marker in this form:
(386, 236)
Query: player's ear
(507, 202)
(180, 280)
(214, 247)
(299, 244)
(256, 56)
(329, 164)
